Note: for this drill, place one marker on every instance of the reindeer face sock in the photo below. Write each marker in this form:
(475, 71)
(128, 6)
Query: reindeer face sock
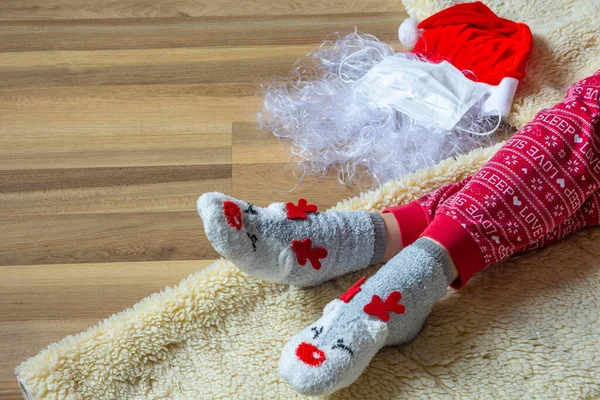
(389, 308)
(292, 243)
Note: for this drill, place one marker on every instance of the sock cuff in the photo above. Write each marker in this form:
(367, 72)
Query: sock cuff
(379, 238)
(439, 254)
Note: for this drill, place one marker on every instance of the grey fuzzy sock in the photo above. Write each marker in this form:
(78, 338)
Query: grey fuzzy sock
(389, 308)
(292, 243)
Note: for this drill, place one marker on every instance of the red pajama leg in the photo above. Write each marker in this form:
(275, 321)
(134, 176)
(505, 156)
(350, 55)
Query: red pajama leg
(414, 217)
(417, 216)
(530, 187)
(587, 215)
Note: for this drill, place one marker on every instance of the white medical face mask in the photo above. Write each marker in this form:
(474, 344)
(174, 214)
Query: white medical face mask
(437, 94)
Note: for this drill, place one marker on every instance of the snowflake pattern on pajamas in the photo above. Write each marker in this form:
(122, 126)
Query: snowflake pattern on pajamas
(529, 190)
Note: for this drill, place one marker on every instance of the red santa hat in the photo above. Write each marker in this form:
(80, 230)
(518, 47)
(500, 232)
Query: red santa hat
(488, 49)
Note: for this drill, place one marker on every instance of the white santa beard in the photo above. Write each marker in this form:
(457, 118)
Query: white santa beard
(330, 125)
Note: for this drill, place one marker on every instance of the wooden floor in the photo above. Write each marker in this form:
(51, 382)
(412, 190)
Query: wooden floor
(114, 117)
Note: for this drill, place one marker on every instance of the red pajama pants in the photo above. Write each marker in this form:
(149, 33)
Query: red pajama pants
(541, 186)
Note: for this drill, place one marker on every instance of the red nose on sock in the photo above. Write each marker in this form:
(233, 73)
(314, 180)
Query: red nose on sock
(310, 354)
(233, 214)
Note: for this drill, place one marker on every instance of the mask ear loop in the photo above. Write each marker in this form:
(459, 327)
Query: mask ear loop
(484, 133)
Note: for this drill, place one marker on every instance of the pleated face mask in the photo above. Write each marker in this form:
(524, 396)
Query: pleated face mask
(437, 94)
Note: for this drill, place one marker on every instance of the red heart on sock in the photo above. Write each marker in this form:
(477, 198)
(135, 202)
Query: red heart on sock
(352, 290)
(299, 211)
(392, 303)
(305, 251)
(376, 308)
(380, 309)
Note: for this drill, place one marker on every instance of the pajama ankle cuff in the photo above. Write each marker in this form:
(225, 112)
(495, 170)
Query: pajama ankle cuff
(461, 246)
(411, 220)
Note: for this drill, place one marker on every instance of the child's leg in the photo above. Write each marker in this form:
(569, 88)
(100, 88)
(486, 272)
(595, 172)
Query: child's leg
(345, 338)
(534, 184)
(411, 219)
(259, 240)
(403, 225)
(539, 179)
(417, 215)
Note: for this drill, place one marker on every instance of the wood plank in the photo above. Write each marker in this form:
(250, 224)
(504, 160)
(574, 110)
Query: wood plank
(22, 340)
(76, 238)
(95, 9)
(195, 66)
(118, 157)
(190, 32)
(9, 390)
(263, 173)
(273, 182)
(251, 145)
(83, 291)
(109, 190)
(108, 157)
(152, 57)
(91, 178)
(107, 106)
(166, 197)
(122, 145)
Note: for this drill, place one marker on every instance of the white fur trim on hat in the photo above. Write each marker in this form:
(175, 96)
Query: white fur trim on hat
(409, 33)
(501, 96)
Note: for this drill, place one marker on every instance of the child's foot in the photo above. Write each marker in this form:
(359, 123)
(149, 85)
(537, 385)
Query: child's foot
(292, 243)
(389, 308)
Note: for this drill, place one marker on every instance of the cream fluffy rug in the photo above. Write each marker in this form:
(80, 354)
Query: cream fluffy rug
(523, 329)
